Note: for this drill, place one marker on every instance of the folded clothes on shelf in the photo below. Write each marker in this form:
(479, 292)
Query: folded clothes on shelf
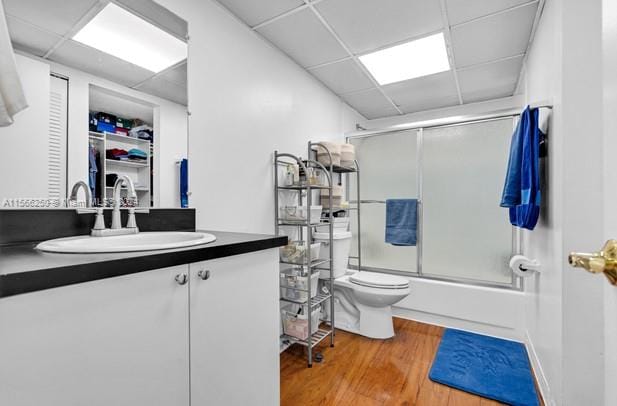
(143, 132)
(137, 154)
(117, 154)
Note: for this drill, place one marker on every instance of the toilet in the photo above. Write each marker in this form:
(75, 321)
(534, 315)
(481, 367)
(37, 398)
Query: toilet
(363, 302)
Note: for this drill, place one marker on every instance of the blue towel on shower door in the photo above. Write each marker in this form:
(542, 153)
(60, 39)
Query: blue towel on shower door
(521, 191)
(401, 221)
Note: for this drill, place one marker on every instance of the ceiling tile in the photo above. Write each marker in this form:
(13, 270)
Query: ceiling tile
(460, 11)
(343, 77)
(370, 103)
(159, 15)
(98, 63)
(29, 38)
(369, 24)
(491, 80)
(57, 17)
(425, 93)
(303, 37)
(177, 75)
(255, 12)
(165, 89)
(491, 38)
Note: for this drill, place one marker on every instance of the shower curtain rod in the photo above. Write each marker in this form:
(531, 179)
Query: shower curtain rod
(447, 121)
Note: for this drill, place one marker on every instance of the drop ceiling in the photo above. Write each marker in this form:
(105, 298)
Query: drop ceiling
(486, 40)
(44, 28)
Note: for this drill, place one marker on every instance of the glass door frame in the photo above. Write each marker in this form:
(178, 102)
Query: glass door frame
(517, 283)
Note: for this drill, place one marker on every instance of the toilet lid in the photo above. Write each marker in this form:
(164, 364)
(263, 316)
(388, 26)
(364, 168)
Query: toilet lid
(379, 280)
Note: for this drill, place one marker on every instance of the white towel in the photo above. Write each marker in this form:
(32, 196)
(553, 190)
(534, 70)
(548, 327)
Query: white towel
(12, 99)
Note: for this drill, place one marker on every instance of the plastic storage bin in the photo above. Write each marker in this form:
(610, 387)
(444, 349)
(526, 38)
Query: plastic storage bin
(295, 320)
(295, 252)
(299, 213)
(295, 284)
(335, 152)
(341, 244)
(348, 155)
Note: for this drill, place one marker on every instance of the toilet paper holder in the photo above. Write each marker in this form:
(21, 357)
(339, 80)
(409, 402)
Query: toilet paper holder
(523, 266)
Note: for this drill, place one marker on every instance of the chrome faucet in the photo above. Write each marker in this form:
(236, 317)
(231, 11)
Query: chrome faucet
(81, 185)
(99, 229)
(99, 223)
(131, 224)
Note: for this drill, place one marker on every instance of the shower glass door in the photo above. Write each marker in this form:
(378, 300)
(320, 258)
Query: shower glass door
(465, 234)
(457, 173)
(388, 169)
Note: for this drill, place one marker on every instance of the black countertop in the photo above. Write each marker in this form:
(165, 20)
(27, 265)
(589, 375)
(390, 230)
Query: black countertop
(25, 269)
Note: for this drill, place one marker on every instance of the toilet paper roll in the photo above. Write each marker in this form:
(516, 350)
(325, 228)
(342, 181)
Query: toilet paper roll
(523, 266)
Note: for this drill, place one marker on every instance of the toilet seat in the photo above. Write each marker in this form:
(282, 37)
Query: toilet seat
(378, 280)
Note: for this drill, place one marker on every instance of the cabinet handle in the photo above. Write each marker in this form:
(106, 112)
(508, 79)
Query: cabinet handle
(204, 275)
(181, 278)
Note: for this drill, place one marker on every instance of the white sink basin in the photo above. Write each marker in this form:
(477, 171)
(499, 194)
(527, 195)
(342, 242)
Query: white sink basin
(147, 241)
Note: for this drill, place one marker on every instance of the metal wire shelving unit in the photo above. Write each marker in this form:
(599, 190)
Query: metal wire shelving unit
(305, 192)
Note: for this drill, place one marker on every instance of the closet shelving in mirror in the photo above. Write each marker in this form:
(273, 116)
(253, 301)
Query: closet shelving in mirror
(140, 172)
(308, 303)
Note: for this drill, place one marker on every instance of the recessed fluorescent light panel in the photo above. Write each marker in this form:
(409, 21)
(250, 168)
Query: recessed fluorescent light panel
(124, 35)
(407, 61)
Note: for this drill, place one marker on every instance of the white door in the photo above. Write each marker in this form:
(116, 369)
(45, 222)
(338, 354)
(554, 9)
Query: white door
(610, 191)
(121, 341)
(590, 300)
(234, 330)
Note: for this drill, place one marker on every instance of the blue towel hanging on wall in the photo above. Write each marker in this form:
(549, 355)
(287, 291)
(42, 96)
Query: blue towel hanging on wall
(184, 183)
(521, 191)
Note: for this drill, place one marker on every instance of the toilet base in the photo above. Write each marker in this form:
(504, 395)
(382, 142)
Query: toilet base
(374, 322)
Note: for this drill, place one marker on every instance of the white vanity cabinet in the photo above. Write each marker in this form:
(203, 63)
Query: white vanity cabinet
(121, 341)
(234, 330)
(147, 339)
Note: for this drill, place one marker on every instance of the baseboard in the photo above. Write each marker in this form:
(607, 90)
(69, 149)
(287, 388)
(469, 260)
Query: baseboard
(545, 390)
(459, 324)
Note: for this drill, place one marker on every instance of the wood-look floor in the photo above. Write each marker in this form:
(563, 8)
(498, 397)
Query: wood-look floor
(360, 371)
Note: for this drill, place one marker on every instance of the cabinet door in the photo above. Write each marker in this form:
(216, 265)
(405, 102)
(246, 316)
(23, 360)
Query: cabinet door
(114, 342)
(234, 331)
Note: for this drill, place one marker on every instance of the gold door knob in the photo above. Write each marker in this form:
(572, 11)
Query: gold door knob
(604, 261)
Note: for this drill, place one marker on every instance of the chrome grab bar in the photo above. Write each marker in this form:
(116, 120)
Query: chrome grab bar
(368, 201)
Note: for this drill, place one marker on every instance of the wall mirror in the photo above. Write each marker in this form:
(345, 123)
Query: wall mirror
(106, 87)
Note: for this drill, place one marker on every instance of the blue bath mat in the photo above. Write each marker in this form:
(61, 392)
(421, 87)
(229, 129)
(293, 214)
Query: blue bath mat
(486, 366)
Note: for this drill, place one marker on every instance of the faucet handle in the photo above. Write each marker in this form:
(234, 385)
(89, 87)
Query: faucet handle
(131, 222)
(99, 222)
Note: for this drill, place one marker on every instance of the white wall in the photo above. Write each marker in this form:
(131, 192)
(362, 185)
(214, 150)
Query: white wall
(23, 164)
(170, 146)
(246, 100)
(543, 304)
